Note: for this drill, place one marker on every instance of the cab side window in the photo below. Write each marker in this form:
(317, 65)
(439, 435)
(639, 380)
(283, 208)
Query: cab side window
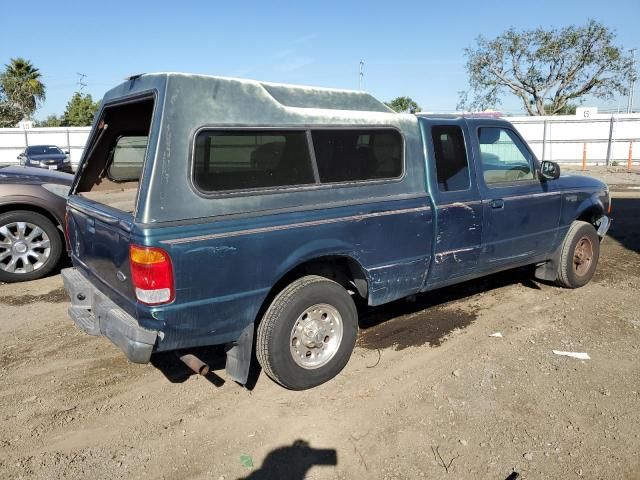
(504, 158)
(452, 166)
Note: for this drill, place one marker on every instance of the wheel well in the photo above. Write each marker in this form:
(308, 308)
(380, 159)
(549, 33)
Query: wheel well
(343, 270)
(32, 208)
(591, 215)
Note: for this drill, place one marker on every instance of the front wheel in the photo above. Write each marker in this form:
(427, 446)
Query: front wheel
(579, 255)
(308, 333)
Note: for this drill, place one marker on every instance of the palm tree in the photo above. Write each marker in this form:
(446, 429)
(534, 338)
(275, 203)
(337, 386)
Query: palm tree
(22, 88)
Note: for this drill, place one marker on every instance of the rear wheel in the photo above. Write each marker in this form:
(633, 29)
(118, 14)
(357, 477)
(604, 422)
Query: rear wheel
(308, 333)
(579, 255)
(30, 246)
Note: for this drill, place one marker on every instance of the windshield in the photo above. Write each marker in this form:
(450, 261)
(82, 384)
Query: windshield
(44, 150)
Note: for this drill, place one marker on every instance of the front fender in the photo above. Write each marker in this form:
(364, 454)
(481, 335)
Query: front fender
(586, 206)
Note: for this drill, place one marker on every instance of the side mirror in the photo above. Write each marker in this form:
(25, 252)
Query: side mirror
(549, 170)
(66, 152)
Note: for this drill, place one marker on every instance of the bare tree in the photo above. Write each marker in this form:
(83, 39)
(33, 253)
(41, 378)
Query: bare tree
(548, 70)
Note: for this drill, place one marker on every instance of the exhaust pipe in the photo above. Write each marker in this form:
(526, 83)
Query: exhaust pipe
(194, 363)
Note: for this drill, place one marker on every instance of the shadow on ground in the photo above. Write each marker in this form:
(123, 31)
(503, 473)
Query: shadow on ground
(425, 318)
(292, 462)
(430, 317)
(625, 227)
(176, 371)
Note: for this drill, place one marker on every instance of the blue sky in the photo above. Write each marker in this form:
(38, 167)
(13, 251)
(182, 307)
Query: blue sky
(409, 48)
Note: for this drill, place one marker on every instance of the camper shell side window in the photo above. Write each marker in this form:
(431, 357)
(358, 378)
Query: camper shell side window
(245, 160)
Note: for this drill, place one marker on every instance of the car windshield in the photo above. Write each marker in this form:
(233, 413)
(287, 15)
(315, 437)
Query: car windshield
(43, 150)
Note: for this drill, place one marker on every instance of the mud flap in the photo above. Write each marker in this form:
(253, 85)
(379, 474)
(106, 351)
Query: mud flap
(549, 270)
(239, 356)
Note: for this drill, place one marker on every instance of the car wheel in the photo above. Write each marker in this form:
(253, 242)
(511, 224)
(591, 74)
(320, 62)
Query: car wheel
(308, 333)
(579, 255)
(30, 246)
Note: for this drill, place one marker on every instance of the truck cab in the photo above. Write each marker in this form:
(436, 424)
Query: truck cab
(216, 211)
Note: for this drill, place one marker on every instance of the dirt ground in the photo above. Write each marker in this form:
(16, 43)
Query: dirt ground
(428, 392)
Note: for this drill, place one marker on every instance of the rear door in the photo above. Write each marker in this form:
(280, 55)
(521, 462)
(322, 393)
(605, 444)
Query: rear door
(454, 189)
(101, 208)
(521, 212)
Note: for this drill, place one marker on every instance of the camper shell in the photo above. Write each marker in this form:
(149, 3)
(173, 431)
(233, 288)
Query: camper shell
(185, 104)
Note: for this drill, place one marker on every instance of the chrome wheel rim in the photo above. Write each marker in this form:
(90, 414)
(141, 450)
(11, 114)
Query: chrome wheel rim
(24, 247)
(316, 336)
(582, 256)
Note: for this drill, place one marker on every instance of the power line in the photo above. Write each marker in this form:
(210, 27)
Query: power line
(81, 83)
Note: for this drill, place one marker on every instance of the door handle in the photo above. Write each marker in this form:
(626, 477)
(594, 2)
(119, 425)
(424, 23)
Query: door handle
(498, 203)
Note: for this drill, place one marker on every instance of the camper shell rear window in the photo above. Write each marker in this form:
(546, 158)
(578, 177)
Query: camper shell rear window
(111, 169)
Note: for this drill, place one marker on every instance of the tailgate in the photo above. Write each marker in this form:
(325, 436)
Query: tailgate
(99, 238)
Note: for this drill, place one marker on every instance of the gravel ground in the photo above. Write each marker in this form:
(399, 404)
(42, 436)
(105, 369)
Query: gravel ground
(613, 176)
(428, 392)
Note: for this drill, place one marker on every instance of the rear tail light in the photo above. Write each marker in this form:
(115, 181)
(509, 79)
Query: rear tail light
(152, 275)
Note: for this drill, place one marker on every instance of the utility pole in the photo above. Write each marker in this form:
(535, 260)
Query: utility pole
(632, 81)
(361, 75)
(81, 83)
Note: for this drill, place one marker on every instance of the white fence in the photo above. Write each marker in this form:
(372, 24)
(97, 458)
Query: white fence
(14, 140)
(601, 138)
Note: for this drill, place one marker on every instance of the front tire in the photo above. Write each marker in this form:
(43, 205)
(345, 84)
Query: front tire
(30, 246)
(579, 255)
(308, 333)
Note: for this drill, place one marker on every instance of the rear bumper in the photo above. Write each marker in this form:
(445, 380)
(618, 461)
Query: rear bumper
(94, 313)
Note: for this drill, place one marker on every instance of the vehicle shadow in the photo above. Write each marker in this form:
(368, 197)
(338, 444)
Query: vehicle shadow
(373, 316)
(423, 329)
(170, 365)
(176, 371)
(292, 462)
(625, 227)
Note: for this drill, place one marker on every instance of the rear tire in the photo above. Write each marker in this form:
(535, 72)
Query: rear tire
(30, 246)
(579, 255)
(308, 333)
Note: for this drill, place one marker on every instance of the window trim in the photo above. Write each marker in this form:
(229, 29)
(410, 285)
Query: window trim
(307, 129)
(435, 160)
(512, 183)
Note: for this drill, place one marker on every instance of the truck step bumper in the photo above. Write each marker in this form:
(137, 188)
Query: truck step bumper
(94, 313)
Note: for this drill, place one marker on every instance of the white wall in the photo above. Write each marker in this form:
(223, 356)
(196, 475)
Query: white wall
(567, 135)
(565, 139)
(14, 140)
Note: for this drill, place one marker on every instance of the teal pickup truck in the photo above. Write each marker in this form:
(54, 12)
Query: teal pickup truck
(256, 213)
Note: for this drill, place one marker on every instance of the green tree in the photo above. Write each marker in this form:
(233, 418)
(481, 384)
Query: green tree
(546, 69)
(403, 104)
(568, 109)
(21, 91)
(50, 121)
(80, 111)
